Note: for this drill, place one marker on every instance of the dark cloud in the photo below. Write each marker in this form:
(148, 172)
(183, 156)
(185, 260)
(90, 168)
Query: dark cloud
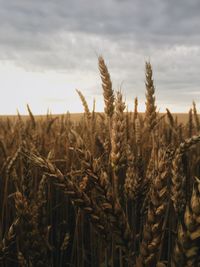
(68, 35)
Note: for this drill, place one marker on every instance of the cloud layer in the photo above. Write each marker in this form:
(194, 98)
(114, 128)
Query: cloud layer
(67, 36)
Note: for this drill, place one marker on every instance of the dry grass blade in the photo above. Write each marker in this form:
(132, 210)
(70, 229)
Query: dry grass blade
(33, 123)
(178, 177)
(107, 88)
(85, 105)
(150, 114)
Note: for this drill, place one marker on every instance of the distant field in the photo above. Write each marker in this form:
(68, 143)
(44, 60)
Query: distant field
(182, 117)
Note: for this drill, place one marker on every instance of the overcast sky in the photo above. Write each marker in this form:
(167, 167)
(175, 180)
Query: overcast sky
(50, 48)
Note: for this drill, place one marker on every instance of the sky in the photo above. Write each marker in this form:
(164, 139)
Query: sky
(50, 48)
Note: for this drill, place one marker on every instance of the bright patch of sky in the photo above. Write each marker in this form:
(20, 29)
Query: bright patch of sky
(48, 49)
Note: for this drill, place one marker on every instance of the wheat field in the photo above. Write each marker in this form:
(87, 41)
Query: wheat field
(101, 189)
